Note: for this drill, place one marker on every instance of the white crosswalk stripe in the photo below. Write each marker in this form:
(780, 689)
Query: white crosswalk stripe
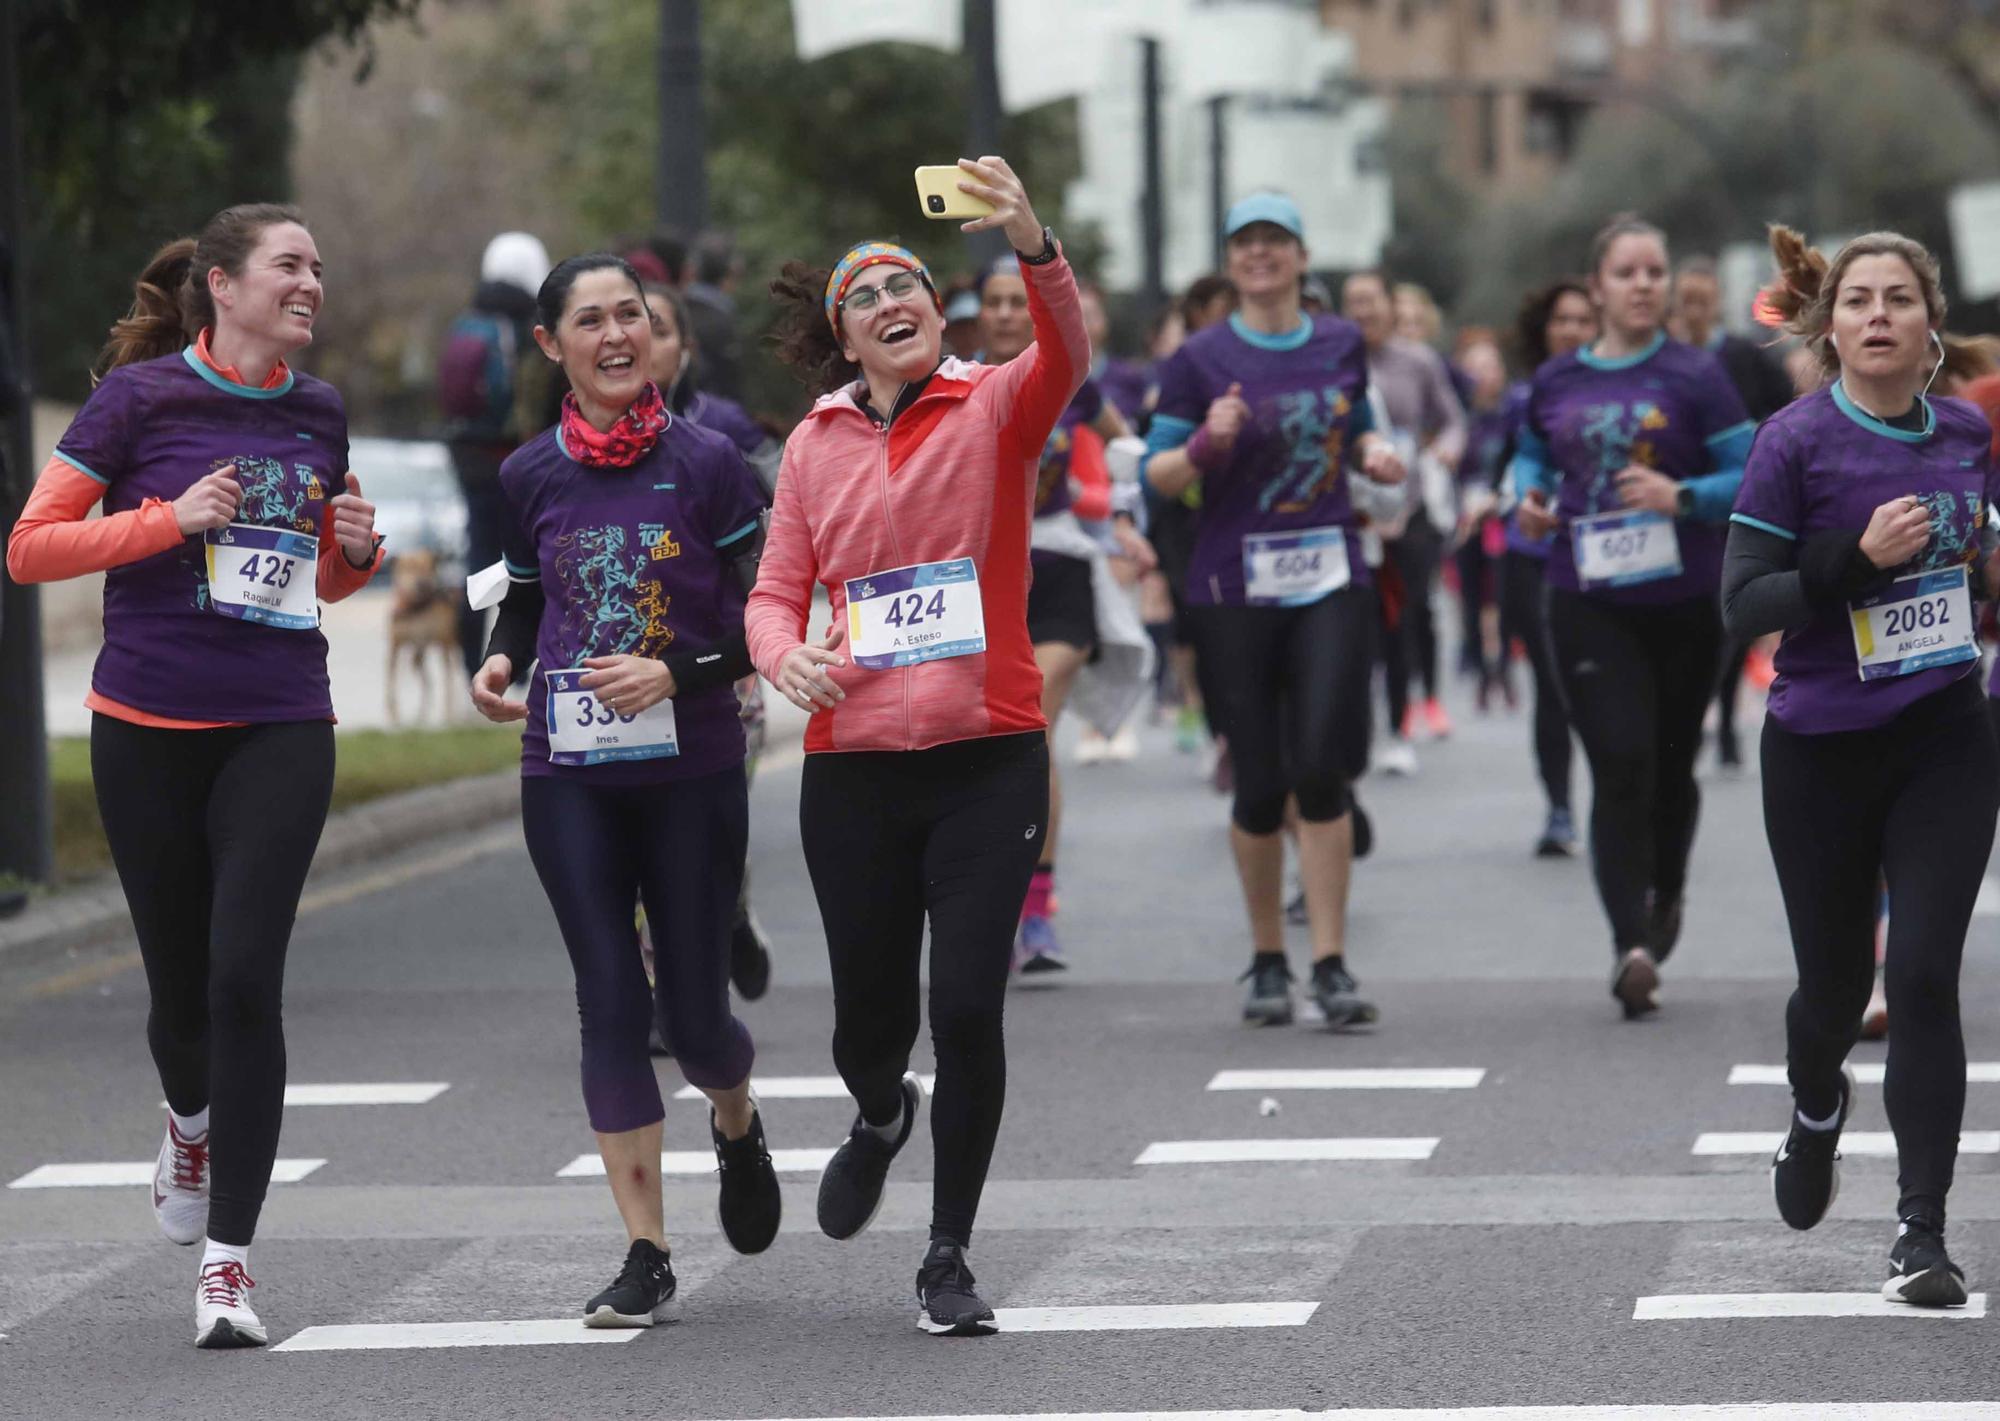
(1734, 1306)
(1853, 1143)
(1354, 1078)
(1279, 1151)
(1865, 1073)
(126, 1174)
(685, 1162)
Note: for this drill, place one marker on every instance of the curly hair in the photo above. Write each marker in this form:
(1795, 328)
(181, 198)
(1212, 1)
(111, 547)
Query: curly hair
(170, 300)
(803, 339)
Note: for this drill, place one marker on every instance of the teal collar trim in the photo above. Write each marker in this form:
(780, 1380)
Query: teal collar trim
(563, 444)
(1291, 340)
(1595, 361)
(1875, 426)
(248, 392)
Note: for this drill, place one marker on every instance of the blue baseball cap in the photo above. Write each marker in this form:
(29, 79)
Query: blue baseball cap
(1272, 207)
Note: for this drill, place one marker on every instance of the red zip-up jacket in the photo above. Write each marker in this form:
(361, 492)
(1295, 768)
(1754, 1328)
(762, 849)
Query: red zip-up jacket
(952, 477)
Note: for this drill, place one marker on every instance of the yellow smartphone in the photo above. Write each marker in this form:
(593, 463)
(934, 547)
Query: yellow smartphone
(940, 199)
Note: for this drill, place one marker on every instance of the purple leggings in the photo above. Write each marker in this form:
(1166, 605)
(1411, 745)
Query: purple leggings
(679, 848)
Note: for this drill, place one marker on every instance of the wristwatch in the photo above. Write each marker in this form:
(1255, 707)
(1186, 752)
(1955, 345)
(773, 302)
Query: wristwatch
(1683, 502)
(1047, 253)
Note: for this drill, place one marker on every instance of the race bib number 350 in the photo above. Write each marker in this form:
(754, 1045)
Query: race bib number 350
(585, 731)
(911, 614)
(1626, 548)
(266, 575)
(1920, 622)
(1294, 569)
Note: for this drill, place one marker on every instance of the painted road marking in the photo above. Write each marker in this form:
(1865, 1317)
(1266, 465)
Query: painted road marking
(1753, 1411)
(1154, 1318)
(1865, 1073)
(1697, 1306)
(96, 1176)
(379, 1337)
(1405, 1078)
(796, 1088)
(673, 1162)
(1274, 1151)
(1852, 1143)
(363, 1093)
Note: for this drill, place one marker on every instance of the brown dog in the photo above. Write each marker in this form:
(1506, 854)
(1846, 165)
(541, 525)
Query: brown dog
(422, 617)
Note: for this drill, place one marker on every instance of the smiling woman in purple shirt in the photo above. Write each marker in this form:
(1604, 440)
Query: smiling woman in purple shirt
(1861, 533)
(1630, 454)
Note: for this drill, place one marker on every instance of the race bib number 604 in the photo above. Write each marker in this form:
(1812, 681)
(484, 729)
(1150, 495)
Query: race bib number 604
(911, 614)
(265, 575)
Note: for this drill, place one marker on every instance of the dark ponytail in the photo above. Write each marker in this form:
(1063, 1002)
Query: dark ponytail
(804, 339)
(553, 298)
(170, 301)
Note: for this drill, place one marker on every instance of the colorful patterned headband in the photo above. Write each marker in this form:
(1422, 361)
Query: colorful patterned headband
(859, 258)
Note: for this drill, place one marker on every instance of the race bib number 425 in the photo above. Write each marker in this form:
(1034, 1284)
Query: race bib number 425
(585, 731)
(266, 575)
(1625, 548)
(911, 614)
(1920, 622)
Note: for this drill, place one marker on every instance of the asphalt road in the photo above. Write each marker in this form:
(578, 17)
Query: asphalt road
(1511, 1256)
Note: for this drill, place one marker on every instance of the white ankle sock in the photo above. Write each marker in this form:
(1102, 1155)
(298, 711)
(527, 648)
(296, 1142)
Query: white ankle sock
(213, 1252)
(191, 1127)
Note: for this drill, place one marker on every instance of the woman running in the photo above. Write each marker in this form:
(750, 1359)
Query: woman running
(1062, 595)
(1268, 410)
(633, 543)
(229, 517)
(1859, 534)
(1554, 321)
(907, 493)
(1640, 440)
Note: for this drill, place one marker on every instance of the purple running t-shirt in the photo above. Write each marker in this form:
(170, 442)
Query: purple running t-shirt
(726, 417)
(633, 560)
(1125, 383)
(1822, 464)
(1514, 410)
(1308, 398)
(1053, 493)
(151, 430)
(1670, 408)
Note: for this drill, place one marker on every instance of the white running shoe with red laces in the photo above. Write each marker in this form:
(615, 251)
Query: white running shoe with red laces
(222, 1315)
(180, 1186)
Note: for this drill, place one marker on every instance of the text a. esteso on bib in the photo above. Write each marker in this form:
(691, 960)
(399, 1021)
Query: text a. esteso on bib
(264, 575)
(924, 612)
(1625, 548)
(585, 731)
(1292, 569)
(1917, 623)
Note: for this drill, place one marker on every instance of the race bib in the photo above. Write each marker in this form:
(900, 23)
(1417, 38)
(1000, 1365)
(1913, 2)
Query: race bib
(911, 614)
(584, 731)
(267, 575)
(1920, 622)
(1625, 548)
(1293, 569)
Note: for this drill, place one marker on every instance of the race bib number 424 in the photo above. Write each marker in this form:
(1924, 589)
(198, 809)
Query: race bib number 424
(264, 575)
(1920, 622)
(910, 614)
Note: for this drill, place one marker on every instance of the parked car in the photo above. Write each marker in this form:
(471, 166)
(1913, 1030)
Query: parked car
(416, 496)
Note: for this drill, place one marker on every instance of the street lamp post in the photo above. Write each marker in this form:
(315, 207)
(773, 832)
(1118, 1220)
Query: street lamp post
(680, 197)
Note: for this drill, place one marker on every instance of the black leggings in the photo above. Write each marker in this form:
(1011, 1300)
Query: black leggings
(1638, 680)
(1915, 799)
(1416, 554)
(213, 832)
(1523, 618)
(679, 849)
(891, 836)
(1295, 684)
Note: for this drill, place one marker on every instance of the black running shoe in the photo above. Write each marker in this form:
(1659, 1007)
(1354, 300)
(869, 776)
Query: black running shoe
(750, 1204)
(1663, 925)
(749, 956)
(947, 1306)
(1268, 1000)
(1364, 828)
(850, 1190)
(1295, 911)
(644, 1292)
(1636, 983)
(1805, 1173)
(1921, 1273)
(1337, 995)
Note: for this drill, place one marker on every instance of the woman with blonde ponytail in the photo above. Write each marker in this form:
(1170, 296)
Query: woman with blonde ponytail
(1861, 533)
(229, 517)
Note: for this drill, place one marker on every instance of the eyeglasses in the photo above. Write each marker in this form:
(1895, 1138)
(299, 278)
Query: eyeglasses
(903, 285)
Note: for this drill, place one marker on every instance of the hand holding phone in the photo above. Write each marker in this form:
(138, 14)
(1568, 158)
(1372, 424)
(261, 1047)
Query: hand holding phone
(939, 196)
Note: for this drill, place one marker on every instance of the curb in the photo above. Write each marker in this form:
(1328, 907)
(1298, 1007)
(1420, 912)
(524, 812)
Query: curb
(93, 913)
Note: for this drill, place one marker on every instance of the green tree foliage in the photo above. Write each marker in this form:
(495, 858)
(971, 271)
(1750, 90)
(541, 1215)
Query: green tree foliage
(140, 121)
(803, 158)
